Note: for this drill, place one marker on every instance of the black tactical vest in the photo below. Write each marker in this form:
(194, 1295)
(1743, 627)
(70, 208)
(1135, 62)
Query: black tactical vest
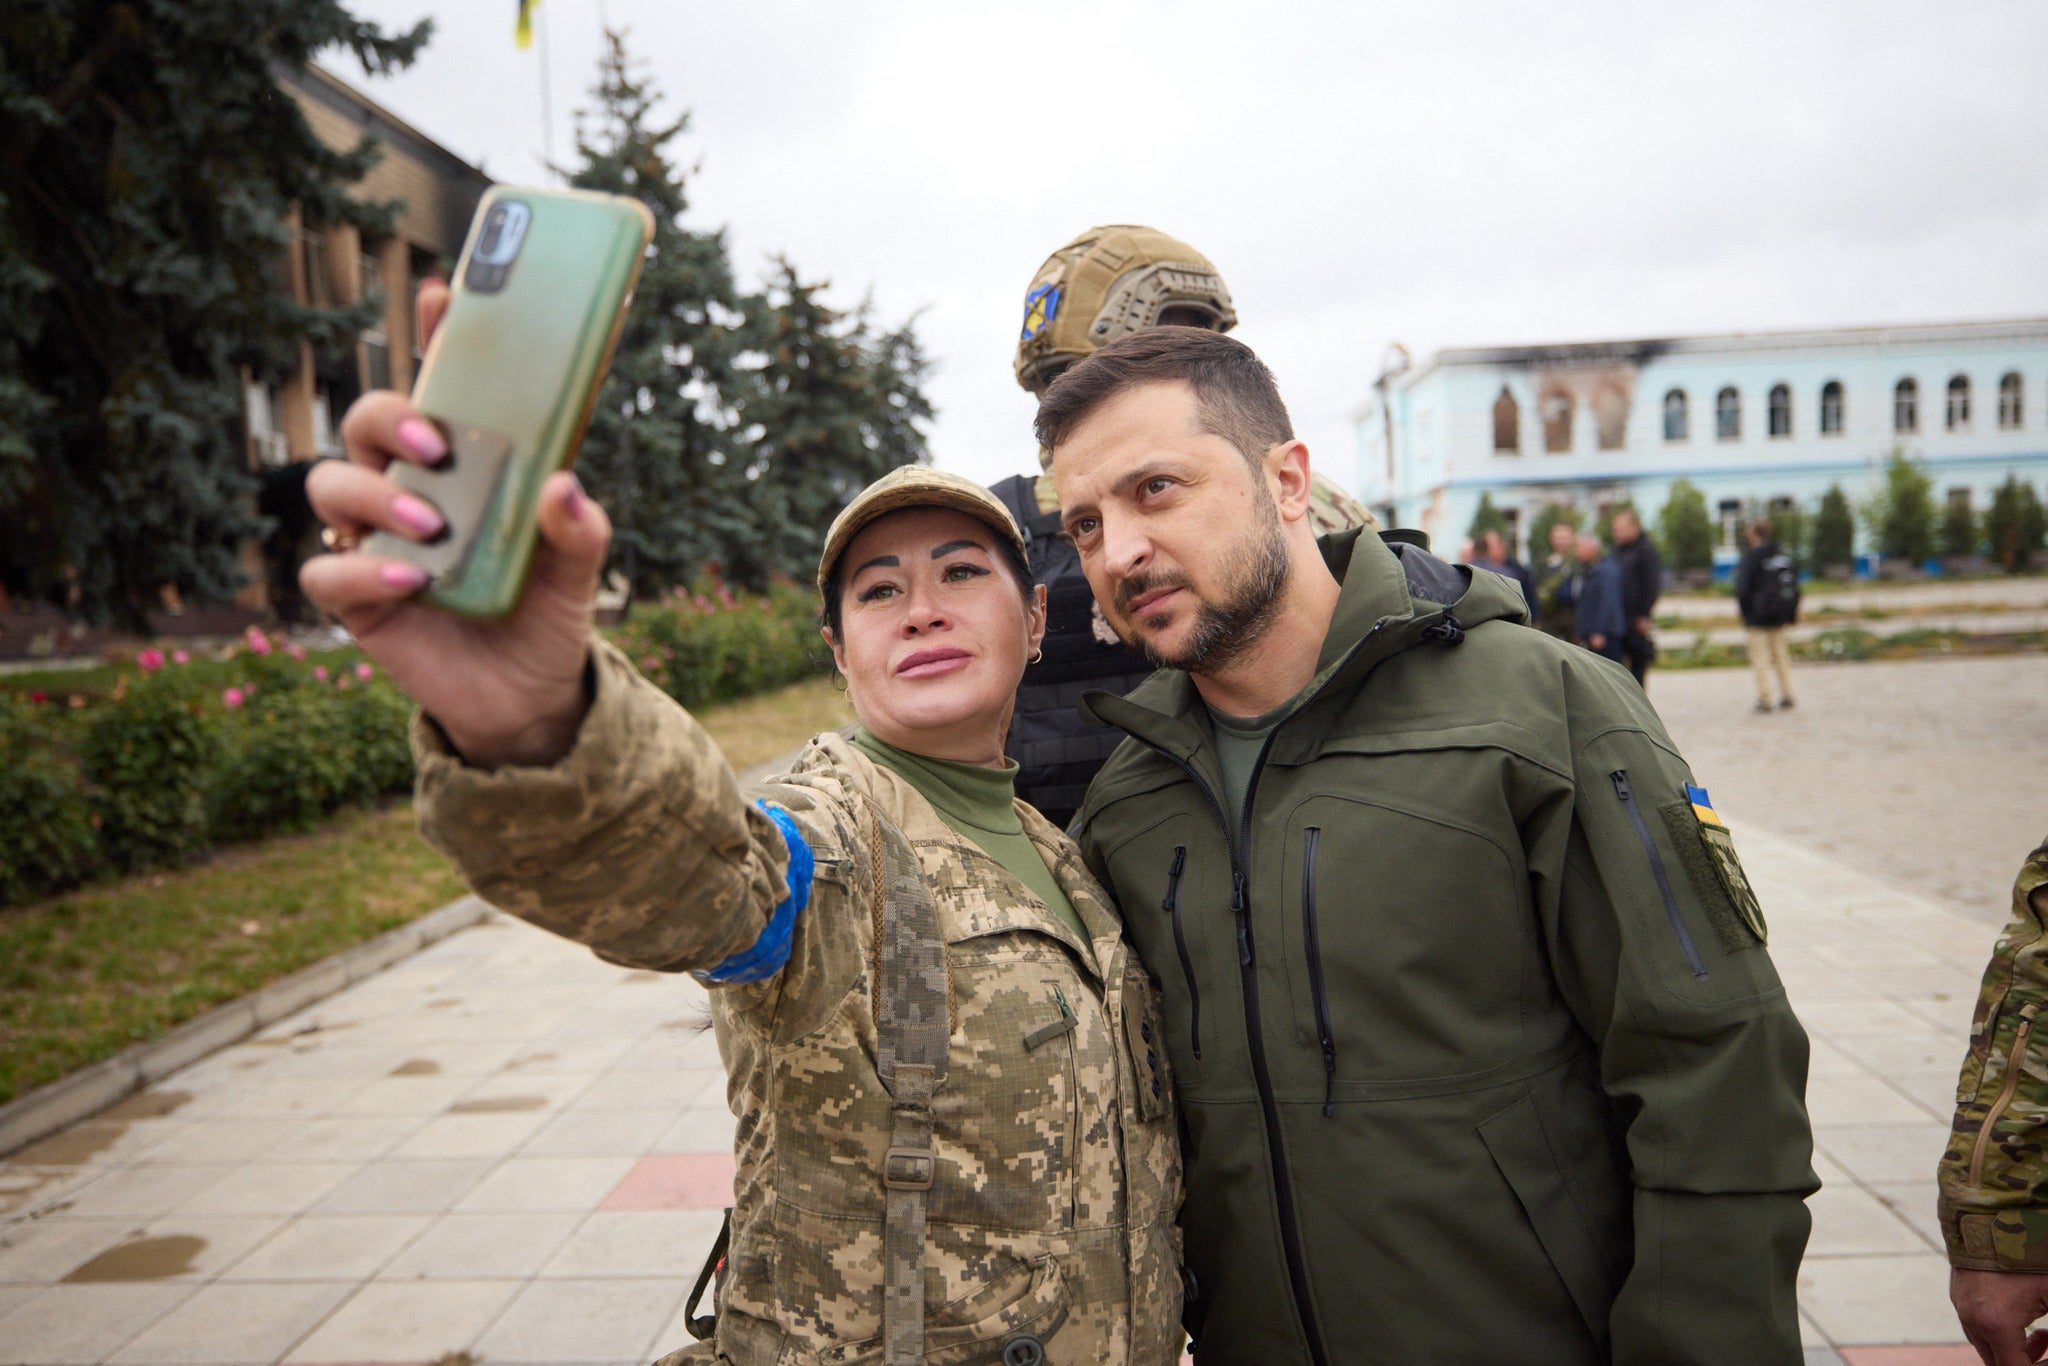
(1057, 752)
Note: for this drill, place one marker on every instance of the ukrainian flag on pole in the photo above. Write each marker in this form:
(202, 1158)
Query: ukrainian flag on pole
(523, 34)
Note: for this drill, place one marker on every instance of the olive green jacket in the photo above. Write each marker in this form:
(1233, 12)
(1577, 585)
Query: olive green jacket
(1994, 1173)
(1057, 1174)
(1481, 1056)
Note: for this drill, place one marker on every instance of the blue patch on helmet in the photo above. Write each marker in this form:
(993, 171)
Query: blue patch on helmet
(771, 950)
(1041, 306)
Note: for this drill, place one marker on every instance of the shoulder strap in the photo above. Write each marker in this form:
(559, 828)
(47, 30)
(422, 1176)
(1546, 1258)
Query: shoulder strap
(913, 1024)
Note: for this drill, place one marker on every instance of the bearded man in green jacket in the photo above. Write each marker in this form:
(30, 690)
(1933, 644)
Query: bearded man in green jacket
(1480, 1053)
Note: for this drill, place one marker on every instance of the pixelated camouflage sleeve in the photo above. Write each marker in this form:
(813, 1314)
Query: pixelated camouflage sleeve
(637, 843)
(1994, 1172)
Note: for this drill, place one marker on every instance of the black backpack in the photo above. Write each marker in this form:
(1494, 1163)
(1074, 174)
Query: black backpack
(1057, 752)
(1774, 597)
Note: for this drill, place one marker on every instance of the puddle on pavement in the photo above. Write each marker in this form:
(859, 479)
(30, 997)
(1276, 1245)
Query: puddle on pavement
(497, 1105)
(148, 1105)
(417, 1067)
(20, 1186)
(75, 1147)
(145, 1259)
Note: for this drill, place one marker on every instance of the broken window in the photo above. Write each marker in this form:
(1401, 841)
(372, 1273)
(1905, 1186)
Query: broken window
(1557, 422)
(1728, 415)
(1610, 416)
(1507, 423)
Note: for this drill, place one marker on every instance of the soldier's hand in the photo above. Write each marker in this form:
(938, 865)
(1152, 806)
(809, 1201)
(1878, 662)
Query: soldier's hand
(505, 691)
(1996, 1309)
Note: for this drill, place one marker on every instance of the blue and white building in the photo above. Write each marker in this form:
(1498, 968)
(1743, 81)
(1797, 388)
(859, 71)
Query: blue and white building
(1755, 420)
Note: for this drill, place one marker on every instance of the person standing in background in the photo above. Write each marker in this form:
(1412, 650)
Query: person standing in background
(1642, 579)
(1601, 622)
(1767, 596)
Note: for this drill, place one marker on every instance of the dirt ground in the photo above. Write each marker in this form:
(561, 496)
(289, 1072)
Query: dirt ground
(1933, 772)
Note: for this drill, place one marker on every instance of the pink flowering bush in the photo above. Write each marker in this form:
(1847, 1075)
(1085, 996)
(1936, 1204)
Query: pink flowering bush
(719, 644)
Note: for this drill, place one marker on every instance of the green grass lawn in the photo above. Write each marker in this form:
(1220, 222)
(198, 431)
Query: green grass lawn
(84, 975)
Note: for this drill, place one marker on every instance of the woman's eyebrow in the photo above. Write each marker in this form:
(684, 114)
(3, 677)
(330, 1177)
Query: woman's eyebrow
(885, 561)
(951, 546)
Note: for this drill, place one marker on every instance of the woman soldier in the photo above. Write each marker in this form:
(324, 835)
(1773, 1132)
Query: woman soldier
(956, 1136)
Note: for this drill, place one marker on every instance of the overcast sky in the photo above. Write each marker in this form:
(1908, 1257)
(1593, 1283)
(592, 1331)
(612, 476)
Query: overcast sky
(1433, 174)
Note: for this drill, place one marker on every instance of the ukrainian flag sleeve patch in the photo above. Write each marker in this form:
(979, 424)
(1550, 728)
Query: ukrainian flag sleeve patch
(769, 952)
(1708, 852)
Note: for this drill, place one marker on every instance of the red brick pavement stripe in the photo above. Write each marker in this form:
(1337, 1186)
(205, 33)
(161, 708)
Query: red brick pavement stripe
(675, 1181)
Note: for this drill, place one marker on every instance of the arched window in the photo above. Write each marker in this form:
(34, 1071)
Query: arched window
(1610, 417)
(2012, 403)
(1507, 423)
(1557, 422)
(1728, 415)
(1958, 403)
(1831, 408)
(1677, 424)
(1906, 406)
(1781, 410)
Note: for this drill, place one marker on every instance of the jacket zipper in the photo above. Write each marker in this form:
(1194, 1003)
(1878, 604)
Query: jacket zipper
(1074, 1124)
(1311, 839)
(1240, 907)
(2005, 1092)
(1635, 815)
(1180, 943)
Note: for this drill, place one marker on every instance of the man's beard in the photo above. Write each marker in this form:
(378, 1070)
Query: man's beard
(1228, 626)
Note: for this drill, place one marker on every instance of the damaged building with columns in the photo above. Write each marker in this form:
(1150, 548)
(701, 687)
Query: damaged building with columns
(1754, 420)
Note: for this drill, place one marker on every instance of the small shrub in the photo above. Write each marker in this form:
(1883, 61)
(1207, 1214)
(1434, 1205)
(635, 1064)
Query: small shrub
(145, 758)
(47, 839)
(284, 763)
(1834, 530)
(719, 646)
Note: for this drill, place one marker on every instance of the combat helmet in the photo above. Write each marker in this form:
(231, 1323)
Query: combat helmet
(1107, 283)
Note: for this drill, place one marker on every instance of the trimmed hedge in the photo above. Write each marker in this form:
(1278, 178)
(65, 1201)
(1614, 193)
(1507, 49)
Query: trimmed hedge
(151, 763)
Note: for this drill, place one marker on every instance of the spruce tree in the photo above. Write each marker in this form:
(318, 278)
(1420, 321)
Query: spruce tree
(834, 406)
(1486, 517)
(1834, 530)
(148, 166)
(663, 453)
(1685, 531)
(1960, 534)
(1903, 511)
(2014, 525)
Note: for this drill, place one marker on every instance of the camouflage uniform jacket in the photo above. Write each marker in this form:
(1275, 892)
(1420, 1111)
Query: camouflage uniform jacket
(1994, 1175)
(1052, 1206)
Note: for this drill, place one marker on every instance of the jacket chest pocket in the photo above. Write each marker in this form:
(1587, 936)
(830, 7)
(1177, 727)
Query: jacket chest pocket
(1409, 951)
(1173, 885)
(1033, 1063)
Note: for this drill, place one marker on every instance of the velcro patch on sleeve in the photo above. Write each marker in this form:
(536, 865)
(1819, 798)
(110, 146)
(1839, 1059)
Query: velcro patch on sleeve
(1708, 854)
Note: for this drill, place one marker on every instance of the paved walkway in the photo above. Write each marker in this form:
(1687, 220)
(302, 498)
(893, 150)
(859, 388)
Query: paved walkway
(507, 1149)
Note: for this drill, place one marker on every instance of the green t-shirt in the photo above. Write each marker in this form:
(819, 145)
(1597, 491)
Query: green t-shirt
(1238, 742)
(978, 803)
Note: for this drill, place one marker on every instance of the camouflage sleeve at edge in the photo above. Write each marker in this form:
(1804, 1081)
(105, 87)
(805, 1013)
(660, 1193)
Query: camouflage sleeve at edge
(638, 843)
(1994, 1171)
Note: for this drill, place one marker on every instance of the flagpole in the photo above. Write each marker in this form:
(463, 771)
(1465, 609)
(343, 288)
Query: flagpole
(547, 112)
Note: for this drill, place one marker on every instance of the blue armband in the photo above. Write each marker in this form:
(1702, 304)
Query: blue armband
(771, 950)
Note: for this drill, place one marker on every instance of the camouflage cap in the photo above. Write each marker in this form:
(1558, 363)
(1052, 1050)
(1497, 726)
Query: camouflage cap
(914, 486)
(1107, 283)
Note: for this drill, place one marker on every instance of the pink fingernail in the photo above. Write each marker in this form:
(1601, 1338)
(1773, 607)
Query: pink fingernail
(418, 514)
(572, 501)
(418, 436)
(405, 576)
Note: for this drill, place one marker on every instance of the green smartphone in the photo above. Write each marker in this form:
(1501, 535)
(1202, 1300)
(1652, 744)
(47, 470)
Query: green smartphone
(538, 299)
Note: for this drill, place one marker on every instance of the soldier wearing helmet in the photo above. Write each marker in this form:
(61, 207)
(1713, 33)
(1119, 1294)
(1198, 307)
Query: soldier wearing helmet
(1107, 283)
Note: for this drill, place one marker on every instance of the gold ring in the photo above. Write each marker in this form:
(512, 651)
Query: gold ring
(335, 539)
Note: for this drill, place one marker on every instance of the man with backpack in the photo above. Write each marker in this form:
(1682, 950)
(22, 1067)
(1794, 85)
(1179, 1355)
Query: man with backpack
(1767, 595)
